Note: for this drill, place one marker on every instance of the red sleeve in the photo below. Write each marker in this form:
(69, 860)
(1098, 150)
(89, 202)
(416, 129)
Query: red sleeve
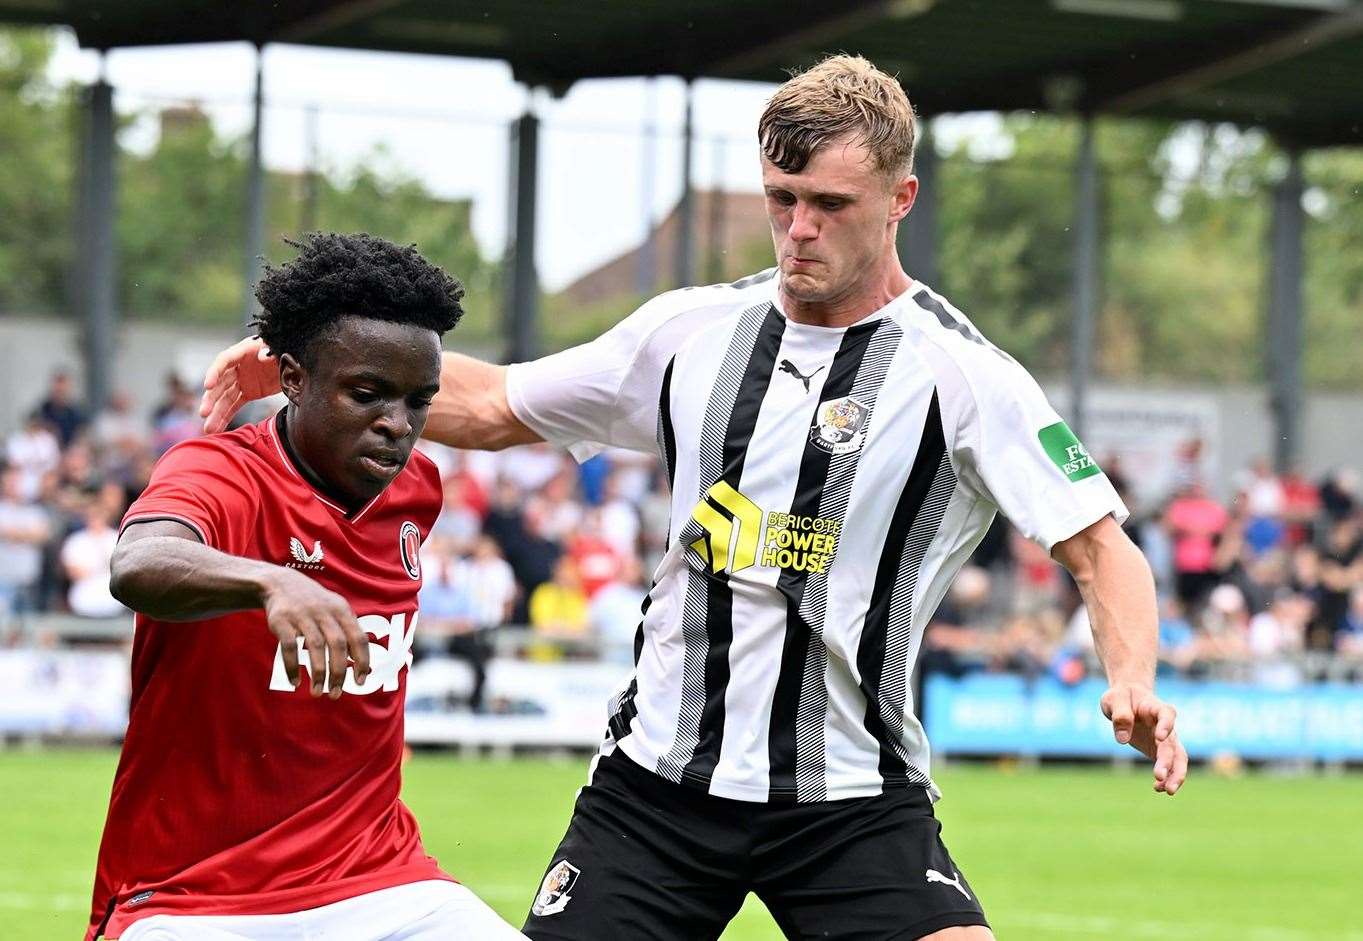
(202, 484)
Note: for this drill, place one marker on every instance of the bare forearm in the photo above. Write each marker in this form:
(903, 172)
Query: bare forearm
(471, 410)
(1119, 591)
(173, 579)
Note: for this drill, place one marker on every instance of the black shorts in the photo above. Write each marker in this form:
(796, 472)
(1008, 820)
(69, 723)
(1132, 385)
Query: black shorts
(648, 860)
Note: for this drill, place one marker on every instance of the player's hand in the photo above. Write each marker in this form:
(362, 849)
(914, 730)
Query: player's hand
(242, 373)
(296, 606)
(1145, 722)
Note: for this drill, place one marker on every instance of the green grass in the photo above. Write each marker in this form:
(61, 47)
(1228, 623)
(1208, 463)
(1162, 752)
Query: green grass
(1054, 854)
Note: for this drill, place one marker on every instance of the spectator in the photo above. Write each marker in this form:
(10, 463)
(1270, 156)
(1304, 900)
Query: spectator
(1177, 639)
(24, 528)
(559, 612)
(1195, 522)
(59, 410)
(34, 452)
(176, 420)
(1350, 637)
(119, 433)
(1341, 568)
(85, 556)
(597, 561)
(614, 613)
(1276, 633)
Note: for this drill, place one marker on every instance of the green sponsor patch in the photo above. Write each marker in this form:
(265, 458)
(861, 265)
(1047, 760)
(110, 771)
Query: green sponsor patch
(1069, 455)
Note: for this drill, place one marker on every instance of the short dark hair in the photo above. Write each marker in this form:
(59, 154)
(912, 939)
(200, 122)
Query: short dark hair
(336, 275)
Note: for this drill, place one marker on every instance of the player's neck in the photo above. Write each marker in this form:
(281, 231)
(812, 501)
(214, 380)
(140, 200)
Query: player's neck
(860, 301)
(294, 454)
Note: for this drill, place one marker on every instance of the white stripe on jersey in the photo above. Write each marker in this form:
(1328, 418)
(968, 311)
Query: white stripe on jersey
(827, 484)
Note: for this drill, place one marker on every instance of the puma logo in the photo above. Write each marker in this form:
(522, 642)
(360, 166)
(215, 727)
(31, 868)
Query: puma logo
(935, 876)
(788, 366)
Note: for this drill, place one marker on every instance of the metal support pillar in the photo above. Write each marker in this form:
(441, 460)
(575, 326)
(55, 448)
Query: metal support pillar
(646, 274)
(686, 222)
(1284, 330)
(1086, 276)
(522, 309)
(916, 239)
(97, 290)
(255, 200)
(719, 198)
(312, 182)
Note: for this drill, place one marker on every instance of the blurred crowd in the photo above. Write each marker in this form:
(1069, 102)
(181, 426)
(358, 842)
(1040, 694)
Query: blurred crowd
(1257, 584)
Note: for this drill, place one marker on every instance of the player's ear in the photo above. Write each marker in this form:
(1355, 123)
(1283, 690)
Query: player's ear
(291, 377)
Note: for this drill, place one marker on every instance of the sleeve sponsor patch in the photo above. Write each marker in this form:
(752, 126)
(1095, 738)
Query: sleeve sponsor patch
(1068, 454)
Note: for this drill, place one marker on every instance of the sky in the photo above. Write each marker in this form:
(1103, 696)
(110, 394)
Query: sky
(611, 150)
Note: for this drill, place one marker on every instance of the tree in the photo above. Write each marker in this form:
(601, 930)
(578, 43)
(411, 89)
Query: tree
(36, 175)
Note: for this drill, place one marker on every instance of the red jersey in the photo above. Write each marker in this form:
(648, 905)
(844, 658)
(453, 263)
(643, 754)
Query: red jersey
(237, 794)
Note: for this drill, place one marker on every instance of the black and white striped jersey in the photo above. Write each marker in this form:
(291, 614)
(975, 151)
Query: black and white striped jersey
(827, 484)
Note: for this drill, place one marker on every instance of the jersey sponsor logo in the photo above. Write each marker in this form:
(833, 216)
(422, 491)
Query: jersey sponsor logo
(739, 535)
(732, 525)
(840, 425)
(934, 876)
(553, 895)
(302, 558)
(385, 663)
(1069, 455)
(409, 547)
(140, 897)
(788, 367)
(800, 543)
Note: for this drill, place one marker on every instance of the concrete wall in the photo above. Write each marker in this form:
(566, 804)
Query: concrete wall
(32, 348)
(1141, 423)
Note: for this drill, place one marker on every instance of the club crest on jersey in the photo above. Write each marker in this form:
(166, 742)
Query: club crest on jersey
(553, 896)
(839, 425)
(409, 547)
(302, 558)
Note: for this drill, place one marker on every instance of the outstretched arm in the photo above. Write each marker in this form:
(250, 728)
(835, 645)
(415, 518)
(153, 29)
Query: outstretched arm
(470, 411)
(1119, 592)
(162, 570)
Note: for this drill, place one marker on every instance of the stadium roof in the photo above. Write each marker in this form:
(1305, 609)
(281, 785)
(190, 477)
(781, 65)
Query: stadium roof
(1292, 66)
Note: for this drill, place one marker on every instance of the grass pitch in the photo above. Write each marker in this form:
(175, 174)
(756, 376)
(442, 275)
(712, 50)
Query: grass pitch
(1054, 854)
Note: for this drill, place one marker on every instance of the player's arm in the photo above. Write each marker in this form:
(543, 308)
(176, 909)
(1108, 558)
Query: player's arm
(470, 411)
(161, 569)
(1119, 592)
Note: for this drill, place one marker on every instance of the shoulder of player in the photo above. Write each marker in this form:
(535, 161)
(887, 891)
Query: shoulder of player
(967, 367)
(715, 299)
(228, 447)
(663, 326)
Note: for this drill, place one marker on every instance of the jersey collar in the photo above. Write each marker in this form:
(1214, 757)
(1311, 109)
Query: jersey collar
(276, 429)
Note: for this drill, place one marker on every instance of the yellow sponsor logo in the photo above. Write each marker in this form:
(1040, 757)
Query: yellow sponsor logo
(800, 543)
(738, 535)
(732, 525)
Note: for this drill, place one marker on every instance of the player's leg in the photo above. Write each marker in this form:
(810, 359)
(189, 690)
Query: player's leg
(461, 915)
(430, 910)
(643, 860)
(869, 869)
(211, 928)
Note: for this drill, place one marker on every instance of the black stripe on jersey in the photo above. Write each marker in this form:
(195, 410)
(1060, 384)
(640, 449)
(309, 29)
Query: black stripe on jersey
(667, 439)
(719, 627)
(624, 711)
(802, 655)
(945, 317)
(707, 631)
(883, 652)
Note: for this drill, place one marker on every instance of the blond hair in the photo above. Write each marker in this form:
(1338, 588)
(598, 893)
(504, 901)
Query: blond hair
(843, 95)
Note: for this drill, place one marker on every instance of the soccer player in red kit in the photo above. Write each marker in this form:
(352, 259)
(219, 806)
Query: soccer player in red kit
(246, 805)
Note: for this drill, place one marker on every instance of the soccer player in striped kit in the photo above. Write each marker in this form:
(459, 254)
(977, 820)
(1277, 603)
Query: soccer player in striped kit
(838, 438)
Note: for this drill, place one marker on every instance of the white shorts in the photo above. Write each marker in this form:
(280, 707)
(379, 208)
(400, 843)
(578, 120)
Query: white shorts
(421, 911)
